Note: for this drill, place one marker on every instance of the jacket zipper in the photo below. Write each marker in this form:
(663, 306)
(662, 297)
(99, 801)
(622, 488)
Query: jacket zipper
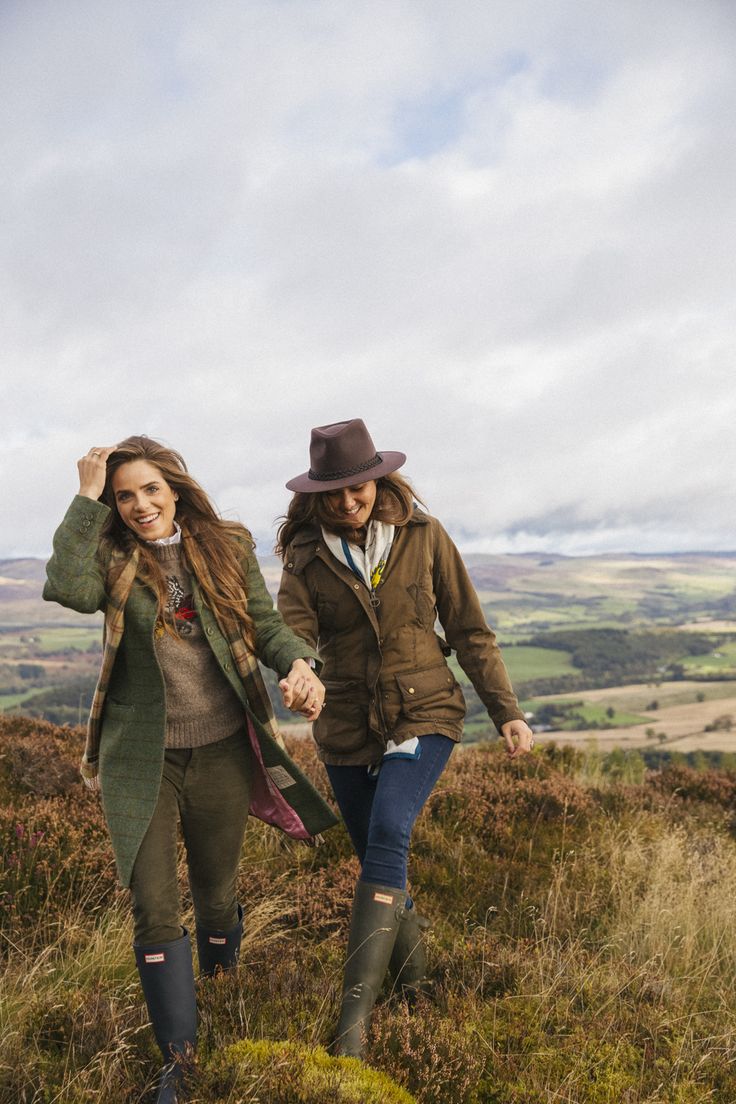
(375, 603)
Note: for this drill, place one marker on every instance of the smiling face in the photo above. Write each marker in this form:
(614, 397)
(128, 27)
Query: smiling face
(145, 501)
(352, 506)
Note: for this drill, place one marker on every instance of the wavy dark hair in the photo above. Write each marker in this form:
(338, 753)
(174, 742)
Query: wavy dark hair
(395, 498)
(213, 548)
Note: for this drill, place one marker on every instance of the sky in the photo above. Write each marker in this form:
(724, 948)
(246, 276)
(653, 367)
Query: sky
(502, 232)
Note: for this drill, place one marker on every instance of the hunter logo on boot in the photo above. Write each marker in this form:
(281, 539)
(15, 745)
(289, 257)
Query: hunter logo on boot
(220, 940)
(383, 898)
(159, 957)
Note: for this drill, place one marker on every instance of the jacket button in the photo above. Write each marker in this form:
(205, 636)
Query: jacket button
(226, 666)
(411, 689)
(209, 630)
(290, 565)
(357, 586)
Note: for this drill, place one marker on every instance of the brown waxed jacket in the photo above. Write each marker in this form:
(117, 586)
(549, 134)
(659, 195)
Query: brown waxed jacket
(385, 671)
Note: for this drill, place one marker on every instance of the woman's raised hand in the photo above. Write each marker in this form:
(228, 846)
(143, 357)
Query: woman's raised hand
(518, 737)
(302, 691)
(93, 471)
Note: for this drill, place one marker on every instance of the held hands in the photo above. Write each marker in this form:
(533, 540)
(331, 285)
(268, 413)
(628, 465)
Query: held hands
(518, 737)
(301, 690)
(93, 470)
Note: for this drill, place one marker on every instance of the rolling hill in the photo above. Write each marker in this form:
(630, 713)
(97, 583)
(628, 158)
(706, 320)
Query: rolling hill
(522, 594)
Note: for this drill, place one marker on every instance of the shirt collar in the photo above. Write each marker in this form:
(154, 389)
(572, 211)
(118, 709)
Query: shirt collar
(175, 537)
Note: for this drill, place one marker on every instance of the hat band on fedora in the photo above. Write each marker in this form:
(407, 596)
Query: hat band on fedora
(326, 477)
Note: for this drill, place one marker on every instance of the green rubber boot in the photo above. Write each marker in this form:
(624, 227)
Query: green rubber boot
(408, 963)
(377, 914)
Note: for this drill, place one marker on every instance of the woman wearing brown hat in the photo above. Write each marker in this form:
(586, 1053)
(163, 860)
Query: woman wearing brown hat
(366, 576)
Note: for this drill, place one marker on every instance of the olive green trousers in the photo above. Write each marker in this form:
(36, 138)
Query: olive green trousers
(207, 789)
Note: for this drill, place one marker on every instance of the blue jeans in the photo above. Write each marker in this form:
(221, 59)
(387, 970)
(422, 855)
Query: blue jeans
(379, 813)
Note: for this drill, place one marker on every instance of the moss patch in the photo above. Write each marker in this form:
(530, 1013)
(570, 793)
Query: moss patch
(291, 1073)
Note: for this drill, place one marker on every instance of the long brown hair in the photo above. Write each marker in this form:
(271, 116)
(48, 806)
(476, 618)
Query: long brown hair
(212, 547)
(395, 498)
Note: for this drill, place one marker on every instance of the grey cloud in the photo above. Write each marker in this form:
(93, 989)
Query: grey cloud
(229, 225)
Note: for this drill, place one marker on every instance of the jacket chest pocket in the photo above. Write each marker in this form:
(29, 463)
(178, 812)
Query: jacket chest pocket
(422, 604)
(337, 613)
(431, 695)
(326, 615)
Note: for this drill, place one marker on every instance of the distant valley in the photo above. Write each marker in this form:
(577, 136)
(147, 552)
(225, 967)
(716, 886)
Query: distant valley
(525, 593)
(577, 632)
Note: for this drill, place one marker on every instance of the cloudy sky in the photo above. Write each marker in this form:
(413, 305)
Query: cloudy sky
(501, 231)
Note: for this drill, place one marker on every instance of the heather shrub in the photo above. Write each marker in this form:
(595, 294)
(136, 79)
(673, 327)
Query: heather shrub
(493, 797)
(562, 757)
(432, 1053)
(38, 757)
(581, 945)
(54, 853)
(302, 751)
(478, 963)
(286, 989)
(711, 786)
(322, 903)
(485, 840)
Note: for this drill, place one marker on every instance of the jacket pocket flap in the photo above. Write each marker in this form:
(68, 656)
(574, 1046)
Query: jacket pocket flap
(350, 689)
(425, 684)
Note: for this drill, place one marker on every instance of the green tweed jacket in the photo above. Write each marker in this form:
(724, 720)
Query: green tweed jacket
(133, 707)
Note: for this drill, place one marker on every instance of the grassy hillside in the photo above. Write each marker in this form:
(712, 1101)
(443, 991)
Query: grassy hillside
(582, 944)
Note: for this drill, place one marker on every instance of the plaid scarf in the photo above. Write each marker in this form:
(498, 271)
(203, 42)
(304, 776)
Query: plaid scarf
(112, 634)
(119, 584)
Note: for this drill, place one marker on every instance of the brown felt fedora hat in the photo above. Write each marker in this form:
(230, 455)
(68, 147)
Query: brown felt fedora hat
(342, 454)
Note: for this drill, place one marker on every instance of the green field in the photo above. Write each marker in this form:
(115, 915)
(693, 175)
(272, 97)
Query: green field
(47, 640)
(720, 660)
(8, 702)
(58, 640)
(526, 663)
(593, 713)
